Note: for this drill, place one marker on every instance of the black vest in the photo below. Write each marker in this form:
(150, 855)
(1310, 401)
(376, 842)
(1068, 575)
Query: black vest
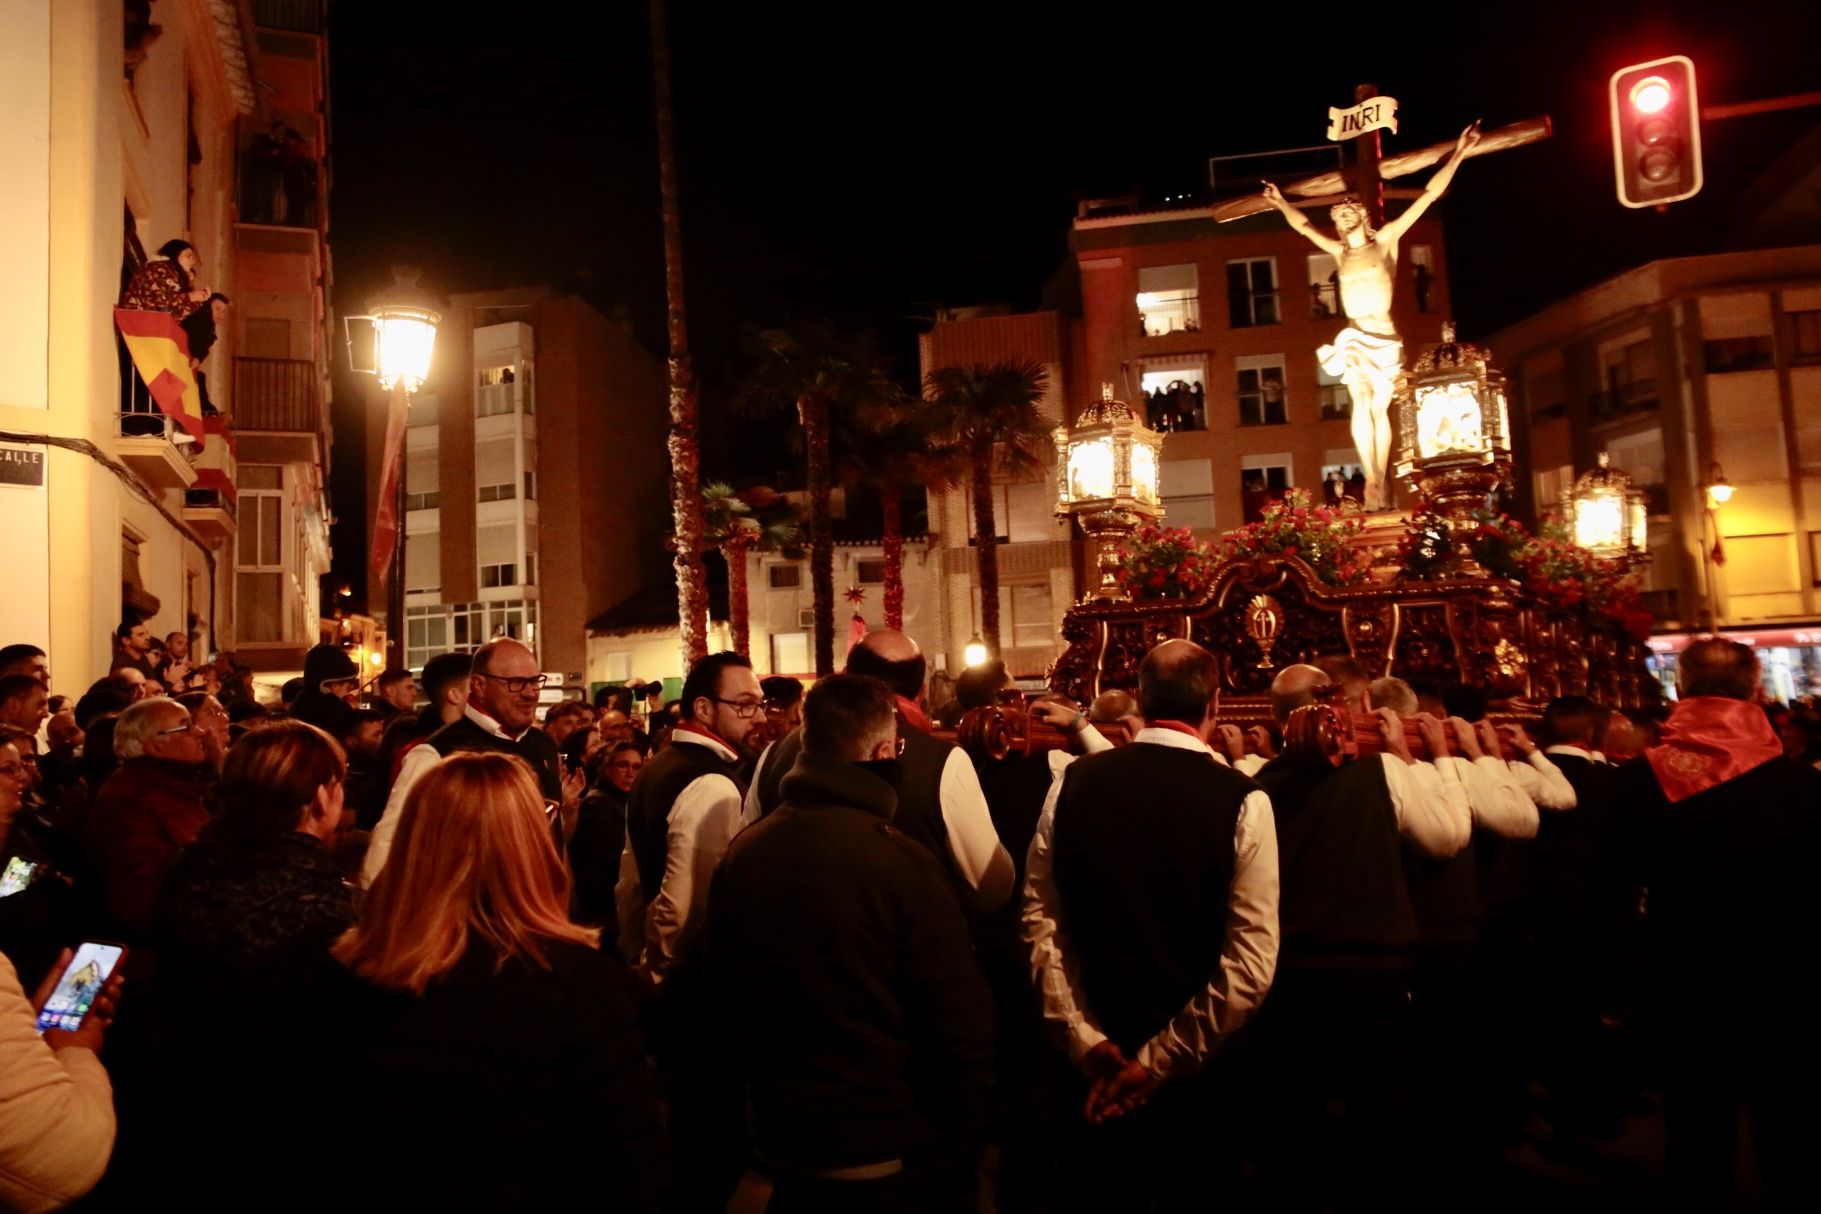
(656, 790)
(919, 796)
(1571, 845)
(1143, 851)
(1340, 861)
(534, 746)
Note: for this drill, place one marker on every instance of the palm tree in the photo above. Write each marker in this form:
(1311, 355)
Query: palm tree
(819, 370)
(991, 414)
(685, 455)
(737, 523)
(889, 448)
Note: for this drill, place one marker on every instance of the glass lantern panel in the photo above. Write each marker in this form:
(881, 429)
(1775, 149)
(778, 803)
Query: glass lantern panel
(1448, 420)
(1599, 521)
(1091, 468)
(1144, 473)
(403, 351)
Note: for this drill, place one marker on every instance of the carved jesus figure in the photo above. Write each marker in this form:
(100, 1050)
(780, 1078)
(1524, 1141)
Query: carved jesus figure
(1368, 354)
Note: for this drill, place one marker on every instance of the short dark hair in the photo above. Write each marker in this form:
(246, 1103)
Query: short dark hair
(704, 679)
(126, 628)
(13, 686)
(13, 654)
(171, 248)
(905, 677)
(1715, 666)
(979, 686)
(246, 710)
(393, 677)
(844, 712)
(215, 295)
(1465, 701)
(356, 717)
(443, 671)
(781, 689)
(1571, 719)
(1177, 682)
(565, 708)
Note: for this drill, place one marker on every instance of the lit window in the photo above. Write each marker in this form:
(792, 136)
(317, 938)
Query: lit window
(1262, 480)
(1331, 393)
(1259, 383)
(1252, 292)
(1324, 286)
(1175, 397)
(1168, 300)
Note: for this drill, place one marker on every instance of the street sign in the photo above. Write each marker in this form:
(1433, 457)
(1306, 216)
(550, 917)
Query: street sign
(1373, 114)
(23, 466)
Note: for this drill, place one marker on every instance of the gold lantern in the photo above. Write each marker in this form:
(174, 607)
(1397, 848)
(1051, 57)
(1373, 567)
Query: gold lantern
(1608, 515)
(1106, 479)
(1454, 435)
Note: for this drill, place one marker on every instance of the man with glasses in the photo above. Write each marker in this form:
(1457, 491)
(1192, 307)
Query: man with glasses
(503, 686)
(683, 811)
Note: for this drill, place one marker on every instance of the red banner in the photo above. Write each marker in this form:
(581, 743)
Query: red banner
(385, 520)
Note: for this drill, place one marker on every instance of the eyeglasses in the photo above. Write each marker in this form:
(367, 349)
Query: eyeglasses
(186, 727)
(902, 741)
(518, 686)
(742, 708)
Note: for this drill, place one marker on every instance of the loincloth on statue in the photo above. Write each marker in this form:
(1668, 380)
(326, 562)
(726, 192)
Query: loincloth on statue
(1356, 352)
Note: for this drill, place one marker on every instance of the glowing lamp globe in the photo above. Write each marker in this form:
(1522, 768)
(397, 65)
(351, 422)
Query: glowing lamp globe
(404, 320)
(1608, 515)
(974, 652)
(1454, 434)
(1106, 479)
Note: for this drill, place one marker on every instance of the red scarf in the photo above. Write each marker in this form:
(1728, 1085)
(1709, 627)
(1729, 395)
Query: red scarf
(1709, 740)
(913, 715)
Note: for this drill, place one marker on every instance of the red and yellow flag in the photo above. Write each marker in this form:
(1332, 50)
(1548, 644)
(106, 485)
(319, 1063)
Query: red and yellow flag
(160, 350)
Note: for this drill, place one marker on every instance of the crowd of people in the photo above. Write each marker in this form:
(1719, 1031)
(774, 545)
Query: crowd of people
(434, 943)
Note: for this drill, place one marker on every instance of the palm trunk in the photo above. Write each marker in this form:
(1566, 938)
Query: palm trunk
(738, 611)
(685, 455)
(812, 411)
(892, 504)
(986, 545)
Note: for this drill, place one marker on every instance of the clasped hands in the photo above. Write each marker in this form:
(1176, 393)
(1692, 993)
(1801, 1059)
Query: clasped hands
(1116, 1084)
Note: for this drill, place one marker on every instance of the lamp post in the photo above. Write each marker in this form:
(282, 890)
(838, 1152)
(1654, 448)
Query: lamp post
(1608, 516)
(1106, 479)
(403, 318)
(1454, 436)
(1714, 494)
(974, 652)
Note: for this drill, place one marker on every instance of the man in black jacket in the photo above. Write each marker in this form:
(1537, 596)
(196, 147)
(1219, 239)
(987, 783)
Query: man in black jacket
(864, 1028)
(445, 685)
(1725, 834)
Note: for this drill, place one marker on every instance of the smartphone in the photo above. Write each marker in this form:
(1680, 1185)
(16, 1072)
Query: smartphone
(80, 984)
(18, 874)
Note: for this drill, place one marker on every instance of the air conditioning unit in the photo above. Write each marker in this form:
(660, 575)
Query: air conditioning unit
(806, 619)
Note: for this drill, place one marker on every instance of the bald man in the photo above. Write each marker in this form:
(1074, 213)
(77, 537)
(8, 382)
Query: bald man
(940, 803)
(503, 686)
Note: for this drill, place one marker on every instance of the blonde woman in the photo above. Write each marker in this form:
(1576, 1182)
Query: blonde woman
(499, 1065)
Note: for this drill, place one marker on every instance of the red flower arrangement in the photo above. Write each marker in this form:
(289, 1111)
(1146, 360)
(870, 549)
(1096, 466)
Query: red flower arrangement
(1318, 535)
(1164, 563)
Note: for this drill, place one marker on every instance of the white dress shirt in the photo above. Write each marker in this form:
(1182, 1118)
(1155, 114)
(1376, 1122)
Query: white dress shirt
(1432, 807)
(1248, 959)
(1498, 803)
(973, 842)
(702, 821)
(417, 762)
(1543, 782)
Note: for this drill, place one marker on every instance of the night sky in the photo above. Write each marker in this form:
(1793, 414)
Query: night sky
(870, 163)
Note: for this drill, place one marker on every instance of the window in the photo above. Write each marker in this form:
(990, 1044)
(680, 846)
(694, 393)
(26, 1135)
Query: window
(1422, 273)
(1031, 625)
(1252, 292)
(1805, 336)
(495, 576)
(617, 667)
(465, 626)
(1175, 398)
(1342, 475)
(423, 410)
(1186, 487)
(531, 569)
(496, 392)
(530, 485)
(790, 653)
(259, 577)
(1737, 354)
(1331, 393)
(869, 571)
(1630, 373)
(1262, 480)
(1551, 486)
(423, 501)
(1169, 300)
(1260, 386)
(1546, 388)
(422, 479)
(494, 376)
(424, 562)
(784, 577)
(496, 493)
(1324, 286)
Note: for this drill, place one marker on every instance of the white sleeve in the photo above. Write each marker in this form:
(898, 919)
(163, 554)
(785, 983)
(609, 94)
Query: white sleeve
(1543, 782)
(1092, 740)
(1431, 806)
(1497, 803)
(56, 1111)
(1250, 765)
(418, 760)
(1248, 958)
(972, 839)
(1056, 974)
(750, 809)
(702, 822)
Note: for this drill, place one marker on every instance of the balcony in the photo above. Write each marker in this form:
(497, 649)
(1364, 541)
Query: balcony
(1623, 400)
(211, 505)
(148, 445)
(278, 410)
(296, 16)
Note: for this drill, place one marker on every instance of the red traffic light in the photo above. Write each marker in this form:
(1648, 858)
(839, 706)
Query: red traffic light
(1656, 132)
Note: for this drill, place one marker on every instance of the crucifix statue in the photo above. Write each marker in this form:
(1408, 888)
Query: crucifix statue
(1368, 354)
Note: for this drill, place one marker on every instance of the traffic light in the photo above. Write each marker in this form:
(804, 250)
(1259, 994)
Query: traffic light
(1656, 132)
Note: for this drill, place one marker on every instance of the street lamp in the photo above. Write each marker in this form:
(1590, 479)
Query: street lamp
(1106, 478)
(974, 652)
(1454, 429)
(403, 319)
(1608, 515)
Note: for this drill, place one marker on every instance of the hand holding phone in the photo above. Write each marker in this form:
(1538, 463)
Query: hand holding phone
(76, 1003)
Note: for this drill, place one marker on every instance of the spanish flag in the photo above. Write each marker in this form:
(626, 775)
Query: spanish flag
(160, 350)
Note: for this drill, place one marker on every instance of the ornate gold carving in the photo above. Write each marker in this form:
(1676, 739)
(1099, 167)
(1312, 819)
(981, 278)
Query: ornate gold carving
(1264, 620)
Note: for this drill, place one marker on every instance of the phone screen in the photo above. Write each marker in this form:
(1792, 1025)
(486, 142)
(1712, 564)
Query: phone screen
(17, 875)
(79, 985)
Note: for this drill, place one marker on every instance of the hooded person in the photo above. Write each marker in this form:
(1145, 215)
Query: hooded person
(330, 677)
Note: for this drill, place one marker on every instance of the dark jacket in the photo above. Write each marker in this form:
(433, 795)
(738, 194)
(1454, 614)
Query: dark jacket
(148, 811)
(514, 1088)
(594, 858)
(534, 746)
(864, 1028)
(36, 922)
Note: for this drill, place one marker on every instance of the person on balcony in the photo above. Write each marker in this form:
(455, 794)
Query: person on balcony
(204, 326)
(164, 283)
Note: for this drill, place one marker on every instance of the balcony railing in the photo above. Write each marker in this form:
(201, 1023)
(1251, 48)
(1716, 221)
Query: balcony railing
(298, 16)
(277, 394)
(1622, 400)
